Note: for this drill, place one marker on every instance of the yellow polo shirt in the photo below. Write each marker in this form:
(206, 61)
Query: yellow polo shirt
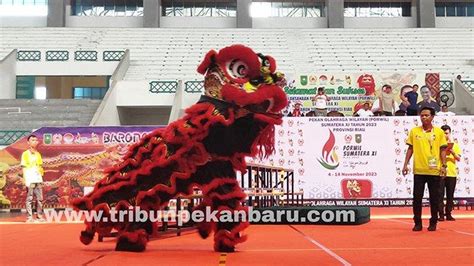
(32, 161)
(426, 145)
(451, 162)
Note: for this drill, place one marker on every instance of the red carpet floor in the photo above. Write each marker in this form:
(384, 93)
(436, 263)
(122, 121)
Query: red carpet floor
(386, 239)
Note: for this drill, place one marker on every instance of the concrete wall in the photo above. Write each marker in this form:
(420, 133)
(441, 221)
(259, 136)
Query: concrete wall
(136, 93)
(198, 22)
(107, 113)
(151, 13)
(282, 23)
(399, 22)
(464, 98)
(425, 13)
(23, 21)
(56, 13)
(454, 22)
(8, 76)
(335, 13)
(244, 20)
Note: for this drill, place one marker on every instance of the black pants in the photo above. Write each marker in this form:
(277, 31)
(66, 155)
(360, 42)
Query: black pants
(448, 184)
(387, 113)
(418, 190)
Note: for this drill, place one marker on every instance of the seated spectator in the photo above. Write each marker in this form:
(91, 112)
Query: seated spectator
(444, 111)
(310, 113)
(320, 102)
(335, 113)
(378, 113)
(400, 113)
(365, 111)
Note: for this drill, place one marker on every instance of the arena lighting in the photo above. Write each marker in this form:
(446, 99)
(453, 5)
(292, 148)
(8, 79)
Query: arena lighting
(23, 10)
(260, 9)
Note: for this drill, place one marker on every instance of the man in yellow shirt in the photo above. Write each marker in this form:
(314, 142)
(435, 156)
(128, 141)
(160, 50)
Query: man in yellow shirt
(32, 165)
(427, 144)
(453, 154)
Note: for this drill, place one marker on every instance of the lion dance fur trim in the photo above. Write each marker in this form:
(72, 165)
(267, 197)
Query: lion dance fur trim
(204, 149)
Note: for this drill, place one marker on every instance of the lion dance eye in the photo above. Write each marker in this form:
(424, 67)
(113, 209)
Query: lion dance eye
(237, 69)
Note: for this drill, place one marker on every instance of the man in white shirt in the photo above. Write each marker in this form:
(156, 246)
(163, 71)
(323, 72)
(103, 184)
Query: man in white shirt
(444, 111)
(320, 102)
(365, 111)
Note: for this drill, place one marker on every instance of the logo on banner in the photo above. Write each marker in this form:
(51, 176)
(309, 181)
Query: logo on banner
(356, 188)
(304, 80)
(329, 159)
(348, 139)
(47, 138)
(358, 138)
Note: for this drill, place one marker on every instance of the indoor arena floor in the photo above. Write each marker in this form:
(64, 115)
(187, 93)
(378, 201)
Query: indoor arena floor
(386, 239)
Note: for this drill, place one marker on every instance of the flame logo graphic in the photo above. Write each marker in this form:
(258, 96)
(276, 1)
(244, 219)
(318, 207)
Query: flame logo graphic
(329, 159)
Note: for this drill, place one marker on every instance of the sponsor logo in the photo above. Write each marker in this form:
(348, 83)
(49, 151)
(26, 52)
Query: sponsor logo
(329, 158)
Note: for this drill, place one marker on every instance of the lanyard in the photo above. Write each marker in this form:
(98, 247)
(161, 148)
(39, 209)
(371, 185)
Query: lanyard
(429, 137)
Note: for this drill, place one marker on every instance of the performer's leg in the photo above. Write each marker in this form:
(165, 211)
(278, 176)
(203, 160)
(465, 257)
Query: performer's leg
(29, 199)
(442, 188)
(38, 191)
(226, 194)
(433, 187)
(134, 235)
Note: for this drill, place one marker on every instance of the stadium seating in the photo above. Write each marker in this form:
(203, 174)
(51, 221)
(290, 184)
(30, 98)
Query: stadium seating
(19, 114)
(164, 54)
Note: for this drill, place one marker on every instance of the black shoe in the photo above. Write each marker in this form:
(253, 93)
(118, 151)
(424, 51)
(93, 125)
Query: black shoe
(441, 218)
(417, 227)
(432, 227)
(450, 218)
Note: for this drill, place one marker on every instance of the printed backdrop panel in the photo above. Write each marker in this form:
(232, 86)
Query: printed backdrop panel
(348, 91)
(353, 158)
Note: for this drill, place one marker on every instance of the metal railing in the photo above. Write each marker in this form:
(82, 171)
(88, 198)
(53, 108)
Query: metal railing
(163, 86)
(63, 55)
(8, 137)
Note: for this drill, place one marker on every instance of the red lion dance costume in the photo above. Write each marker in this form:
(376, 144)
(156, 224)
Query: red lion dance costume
(234, 119)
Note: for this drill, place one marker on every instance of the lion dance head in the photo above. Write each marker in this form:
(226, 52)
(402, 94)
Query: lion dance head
(238, 75)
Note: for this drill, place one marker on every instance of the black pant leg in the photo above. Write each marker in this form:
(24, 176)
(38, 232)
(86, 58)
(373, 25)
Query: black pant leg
(442, 186)
(418, 189)
(450, 187)
(433, 187)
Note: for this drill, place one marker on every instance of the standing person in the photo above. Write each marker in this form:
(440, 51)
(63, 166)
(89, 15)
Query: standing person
(427, 144)
(320, 102)
(453, 154)
(412, 98)
(32, 165)
(386, 101)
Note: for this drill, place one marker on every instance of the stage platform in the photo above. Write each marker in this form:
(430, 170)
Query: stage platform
(386, 239)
